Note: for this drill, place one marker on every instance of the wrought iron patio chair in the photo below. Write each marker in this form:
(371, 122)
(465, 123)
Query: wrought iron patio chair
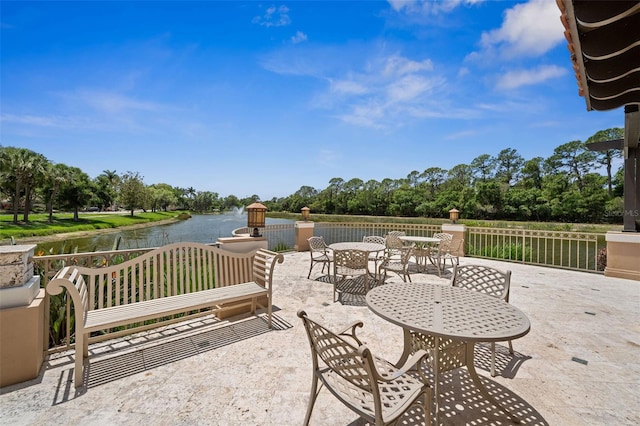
(443, 236)
(375, 257)
(370, 386)
(401, 266)
(350, 263)
(320, 253)
(487, 280)
(446, 250)
(393, 243)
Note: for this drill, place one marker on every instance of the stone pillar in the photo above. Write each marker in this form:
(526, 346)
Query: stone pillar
(22, 316)
(304, 231)
(623, 255)
(458, 231)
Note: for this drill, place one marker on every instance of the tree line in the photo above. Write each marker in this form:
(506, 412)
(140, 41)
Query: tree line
(28, 178)
(565, 187)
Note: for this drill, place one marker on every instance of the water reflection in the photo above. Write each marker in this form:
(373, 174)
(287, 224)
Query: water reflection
(200, 229)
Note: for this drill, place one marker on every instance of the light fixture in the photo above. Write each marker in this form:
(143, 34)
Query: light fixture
(305, 213)
(255, 218)
(454, 215)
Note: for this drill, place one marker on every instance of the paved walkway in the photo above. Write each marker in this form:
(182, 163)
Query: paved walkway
(579, 365)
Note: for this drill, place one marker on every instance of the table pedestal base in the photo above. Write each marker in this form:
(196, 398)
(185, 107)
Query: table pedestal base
(447, 359)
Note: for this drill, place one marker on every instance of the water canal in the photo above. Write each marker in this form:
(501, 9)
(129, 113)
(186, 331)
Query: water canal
(199, 228)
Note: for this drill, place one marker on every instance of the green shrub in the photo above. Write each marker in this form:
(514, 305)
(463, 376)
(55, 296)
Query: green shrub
(514, 251)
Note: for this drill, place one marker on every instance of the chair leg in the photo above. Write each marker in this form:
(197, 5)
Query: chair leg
(310, 268)
(438, 265)
(312, 399)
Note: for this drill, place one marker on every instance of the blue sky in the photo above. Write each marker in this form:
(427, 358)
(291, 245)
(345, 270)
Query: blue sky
(262, 98)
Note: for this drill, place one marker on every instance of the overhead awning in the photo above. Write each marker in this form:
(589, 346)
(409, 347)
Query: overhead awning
(604, 42)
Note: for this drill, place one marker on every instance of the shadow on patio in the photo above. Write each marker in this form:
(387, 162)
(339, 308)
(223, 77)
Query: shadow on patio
(241, 373)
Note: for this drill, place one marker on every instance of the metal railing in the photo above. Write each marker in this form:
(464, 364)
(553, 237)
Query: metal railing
(281, 236)
(338, 232)
(569, 250)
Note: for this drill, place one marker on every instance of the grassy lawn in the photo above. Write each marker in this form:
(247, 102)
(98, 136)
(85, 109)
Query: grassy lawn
(39, 225)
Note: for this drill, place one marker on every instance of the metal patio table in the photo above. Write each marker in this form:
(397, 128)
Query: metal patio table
(422, 250)
(443, 312)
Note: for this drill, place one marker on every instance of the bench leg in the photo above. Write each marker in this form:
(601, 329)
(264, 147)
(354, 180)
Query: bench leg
(269, 310)
(81, 344)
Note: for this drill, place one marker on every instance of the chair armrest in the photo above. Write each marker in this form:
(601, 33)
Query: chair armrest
(352, 333)
(410, 363)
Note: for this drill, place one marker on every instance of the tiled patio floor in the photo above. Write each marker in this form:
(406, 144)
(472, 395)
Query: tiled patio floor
(579, 365)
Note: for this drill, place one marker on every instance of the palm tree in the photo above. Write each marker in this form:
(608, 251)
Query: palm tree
(114, 180)
(56, 176)
(20, 169)
(37, 166)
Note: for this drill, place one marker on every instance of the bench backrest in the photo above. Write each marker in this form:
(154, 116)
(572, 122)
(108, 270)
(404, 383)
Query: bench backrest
(169, 270)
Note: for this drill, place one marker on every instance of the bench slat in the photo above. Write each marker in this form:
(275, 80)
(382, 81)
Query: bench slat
(164, 306)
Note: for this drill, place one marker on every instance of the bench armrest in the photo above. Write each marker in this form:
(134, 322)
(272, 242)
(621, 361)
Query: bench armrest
(72, 280)
(263, 265)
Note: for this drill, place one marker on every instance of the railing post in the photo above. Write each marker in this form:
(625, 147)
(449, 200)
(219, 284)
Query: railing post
(623, 252)
(304, 231)
(458, 231)
(22, 316)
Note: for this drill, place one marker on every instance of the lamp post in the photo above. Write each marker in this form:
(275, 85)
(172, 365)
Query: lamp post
(255, 218)
(454, 215)
(305, 213)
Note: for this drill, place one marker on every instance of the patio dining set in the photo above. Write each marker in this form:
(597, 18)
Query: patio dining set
(441, 325)
(395, 252)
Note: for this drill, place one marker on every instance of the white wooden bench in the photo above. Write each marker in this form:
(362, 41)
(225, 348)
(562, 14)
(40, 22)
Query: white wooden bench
(182, 278)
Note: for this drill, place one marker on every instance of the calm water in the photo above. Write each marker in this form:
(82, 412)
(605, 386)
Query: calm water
(200, 229)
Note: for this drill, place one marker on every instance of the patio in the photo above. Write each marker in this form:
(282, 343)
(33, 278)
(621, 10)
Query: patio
(578, 365)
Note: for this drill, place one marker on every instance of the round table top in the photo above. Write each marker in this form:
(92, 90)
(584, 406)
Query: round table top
(355, 245)
(449, 312)
(418, 239)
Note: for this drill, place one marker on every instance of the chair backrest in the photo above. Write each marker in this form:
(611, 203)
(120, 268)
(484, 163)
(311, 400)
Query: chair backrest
(443, 236)
(405, 255)
(351, 259)
(338, 354)
(374, 239)
(317, 244)
(454, 247)
(484, 279)
(393, 263)
(392, 241)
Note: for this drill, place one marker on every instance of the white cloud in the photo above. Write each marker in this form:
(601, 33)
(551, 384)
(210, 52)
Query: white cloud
(32, 120)
(368, 114)
(528, 29)
(348, 87)
(408, 88)
(398, 66)
(274, 17)
(519, 78)
(428, 7)
(111, 102)
(299, 37)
